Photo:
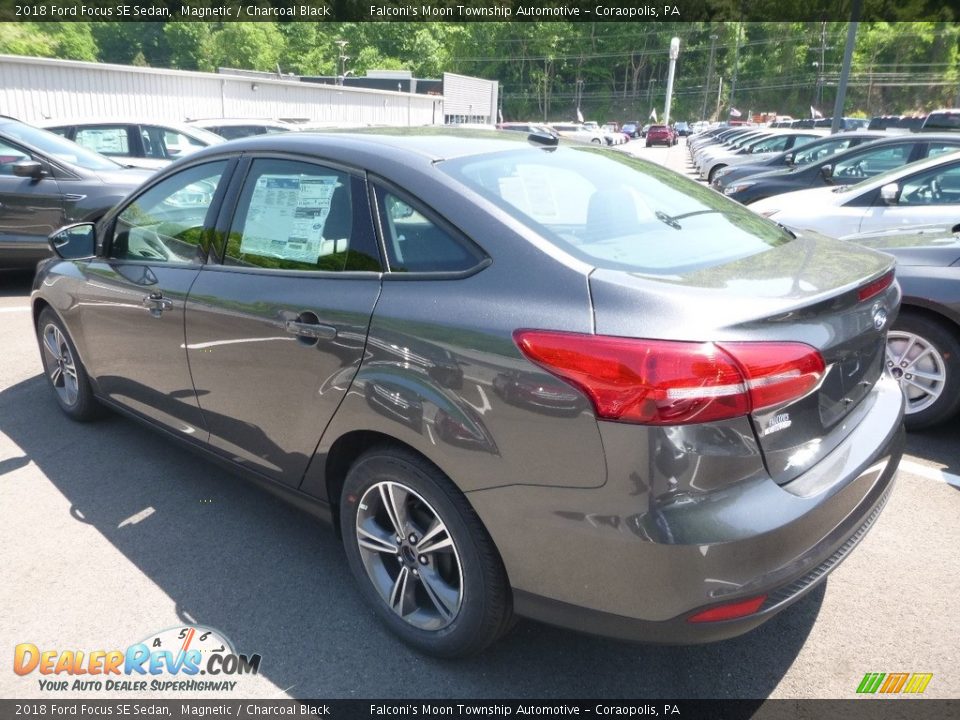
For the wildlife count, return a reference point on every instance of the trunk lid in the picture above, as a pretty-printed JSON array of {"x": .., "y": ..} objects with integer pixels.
[{"x": 806, "y": 291}]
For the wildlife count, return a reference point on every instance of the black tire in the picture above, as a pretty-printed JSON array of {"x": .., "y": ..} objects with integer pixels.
[
  {"x": 61, "y": 364},
  {"x": 941, "y": 401},
  {"x": 713, "y": 172},
  {"x": 470, "y": 569}
]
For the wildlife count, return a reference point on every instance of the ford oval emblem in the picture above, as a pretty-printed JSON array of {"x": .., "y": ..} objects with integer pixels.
[{"x": 880, "y": 319}]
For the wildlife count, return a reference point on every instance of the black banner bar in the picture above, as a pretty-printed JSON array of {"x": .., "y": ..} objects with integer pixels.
[
  {"x": 859, "y": 709},
  {"x": 474, "y": 10}
]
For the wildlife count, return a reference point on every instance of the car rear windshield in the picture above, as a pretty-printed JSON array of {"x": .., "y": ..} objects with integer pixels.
[
  {"x": 615, "y": 211},
  {"x": 58, "y": 147}
]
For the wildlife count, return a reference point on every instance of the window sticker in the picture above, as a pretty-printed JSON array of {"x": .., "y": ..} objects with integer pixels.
[{"x": 286, "y": 218}]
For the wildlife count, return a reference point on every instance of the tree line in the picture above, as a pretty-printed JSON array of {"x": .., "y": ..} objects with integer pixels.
[{"x": 547, "y": 70}]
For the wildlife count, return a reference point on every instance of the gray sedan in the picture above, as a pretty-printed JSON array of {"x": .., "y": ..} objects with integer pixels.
[
  {"x": 923, "y": 346},
  {"x": 520, "y": 377}
]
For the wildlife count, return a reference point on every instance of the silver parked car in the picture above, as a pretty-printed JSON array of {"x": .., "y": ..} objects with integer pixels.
[{"x": 522, "y": 377}]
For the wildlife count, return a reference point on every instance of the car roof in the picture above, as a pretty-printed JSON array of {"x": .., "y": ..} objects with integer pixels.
[
  {"x": 185, "y": 128},
  {"x": 431, "y": 144}
]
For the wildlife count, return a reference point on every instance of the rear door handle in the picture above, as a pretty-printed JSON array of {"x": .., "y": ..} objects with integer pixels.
[{"x": 316, "y": 331}]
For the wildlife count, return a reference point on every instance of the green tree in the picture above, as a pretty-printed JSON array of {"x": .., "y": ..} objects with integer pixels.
[{"x": 246, "y": 45}]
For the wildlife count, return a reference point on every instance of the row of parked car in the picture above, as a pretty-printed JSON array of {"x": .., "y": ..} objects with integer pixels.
[{"x": 899, "y": 193}]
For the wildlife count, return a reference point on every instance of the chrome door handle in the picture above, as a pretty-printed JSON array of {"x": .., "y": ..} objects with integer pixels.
[
  {"x": 315, "y": 331},
  {"x": 157, "y": 303}
]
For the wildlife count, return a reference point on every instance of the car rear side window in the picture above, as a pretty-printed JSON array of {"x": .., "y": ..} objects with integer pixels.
[
  {"x": 167, "y": 223},
  {"x": 301, "y": 216},
  {"x": 417, "y": 241},
  {"x": 615, "y": 211},
  {"x": 942, "y": 148}
]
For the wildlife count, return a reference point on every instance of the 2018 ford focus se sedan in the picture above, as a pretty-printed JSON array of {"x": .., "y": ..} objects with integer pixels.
[{"x": 522, "y": 378}]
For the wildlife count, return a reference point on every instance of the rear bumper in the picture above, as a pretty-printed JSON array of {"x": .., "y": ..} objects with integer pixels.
[{"x": 634, "y": 563}]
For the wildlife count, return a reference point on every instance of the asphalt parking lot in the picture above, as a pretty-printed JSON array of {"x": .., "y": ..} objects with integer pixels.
[{"x": 111, "y": 534}]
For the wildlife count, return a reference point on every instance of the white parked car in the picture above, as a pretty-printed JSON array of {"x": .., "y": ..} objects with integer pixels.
[
  {"x": 136, "y": 142},
  {"x": 922, "y": 193},
  {"x": 579, "y": 133}
]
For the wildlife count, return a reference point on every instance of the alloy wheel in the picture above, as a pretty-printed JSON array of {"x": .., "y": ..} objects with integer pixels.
[
  {"x": 409, "y": 555},
  {"x": 60, "y": 365},
  {"x": 919, "y": 368}
]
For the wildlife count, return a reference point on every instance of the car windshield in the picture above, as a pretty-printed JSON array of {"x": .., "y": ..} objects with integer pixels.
[
  {"x": 616, "y": 211},
  {"x": 58, "y": 148}
]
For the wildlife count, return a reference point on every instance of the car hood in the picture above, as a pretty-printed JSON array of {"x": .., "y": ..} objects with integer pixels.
[
  {"x": 126, "y": 176},
  {"x": 807, "y": 200}
]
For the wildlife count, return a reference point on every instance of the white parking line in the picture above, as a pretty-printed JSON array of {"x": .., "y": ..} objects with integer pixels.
[
  {"x": 18, "y": 308},
  {"x": 931, "y": 473}
]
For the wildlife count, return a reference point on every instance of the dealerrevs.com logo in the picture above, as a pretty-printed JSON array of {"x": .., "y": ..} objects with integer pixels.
[{"x": 172, "y": 660}]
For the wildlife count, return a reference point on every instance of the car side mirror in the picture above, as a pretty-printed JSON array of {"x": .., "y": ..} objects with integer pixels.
[
  {"x": 890, "y": 193},
  {"x": 789, "y": 157},
  {"x": 29, "y": 169},
  {"x": 827, "y": 172},
  {"x": 75, "y": 242}
]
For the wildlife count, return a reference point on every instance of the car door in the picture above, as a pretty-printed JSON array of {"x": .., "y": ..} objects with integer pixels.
[
  {"x": 132, "y": 302},
  {"x": 276, "y": 330},
  {"x": 929, "y": 197},
  {"x": 30, "y": 209}
]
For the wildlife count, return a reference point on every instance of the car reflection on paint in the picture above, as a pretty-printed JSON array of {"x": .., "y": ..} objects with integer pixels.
[
  {"x": 537, "y": 391},
  {"x": 394, "y": 401}
]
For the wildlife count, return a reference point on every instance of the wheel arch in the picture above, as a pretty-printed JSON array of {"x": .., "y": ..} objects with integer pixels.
[{"x": 932, "y": 311}]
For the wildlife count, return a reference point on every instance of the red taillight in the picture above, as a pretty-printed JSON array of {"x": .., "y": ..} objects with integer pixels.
[
  {"x": 876, "y": 287},
  {"x": 732, "y": 611},
  {"x": 664, "y": 382}
]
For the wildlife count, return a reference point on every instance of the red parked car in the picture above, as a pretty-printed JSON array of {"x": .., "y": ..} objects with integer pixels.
[{"x": 661, "y": 135}]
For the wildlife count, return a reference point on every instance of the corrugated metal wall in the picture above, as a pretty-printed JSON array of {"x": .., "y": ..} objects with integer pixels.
[
  {"x": 38, "y": 89},
  {"x": 470, "y": 99}
]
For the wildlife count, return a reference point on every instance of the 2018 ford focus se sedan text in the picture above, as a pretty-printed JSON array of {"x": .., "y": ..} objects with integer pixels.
[{"x": 522, "y": 378}]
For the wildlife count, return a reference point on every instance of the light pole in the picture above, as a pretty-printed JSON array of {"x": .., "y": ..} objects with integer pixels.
[
  {"x": 817, "y": 91},
  {"x": 579, "y": 99},
  {"x": 706, "y": 87},
  {"x": 674, "y": 53},
  {"x": 342, "y": 58},
  {"x": 650, "y": 94}
]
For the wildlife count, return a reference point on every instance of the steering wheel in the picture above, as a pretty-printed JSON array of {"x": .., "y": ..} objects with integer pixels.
[
  {"x": 152, "y": 247},
  {"x": 856, "y": 170}
]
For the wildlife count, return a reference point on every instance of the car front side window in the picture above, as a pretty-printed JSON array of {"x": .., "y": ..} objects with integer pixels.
[
  {"x": 9, "y": 155},
  {"x": 167, "y": 223},
  {"x": 940, "y": 186},
  {"x": 107, "y": 140},
  {"x": 874, "y": 162}
]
